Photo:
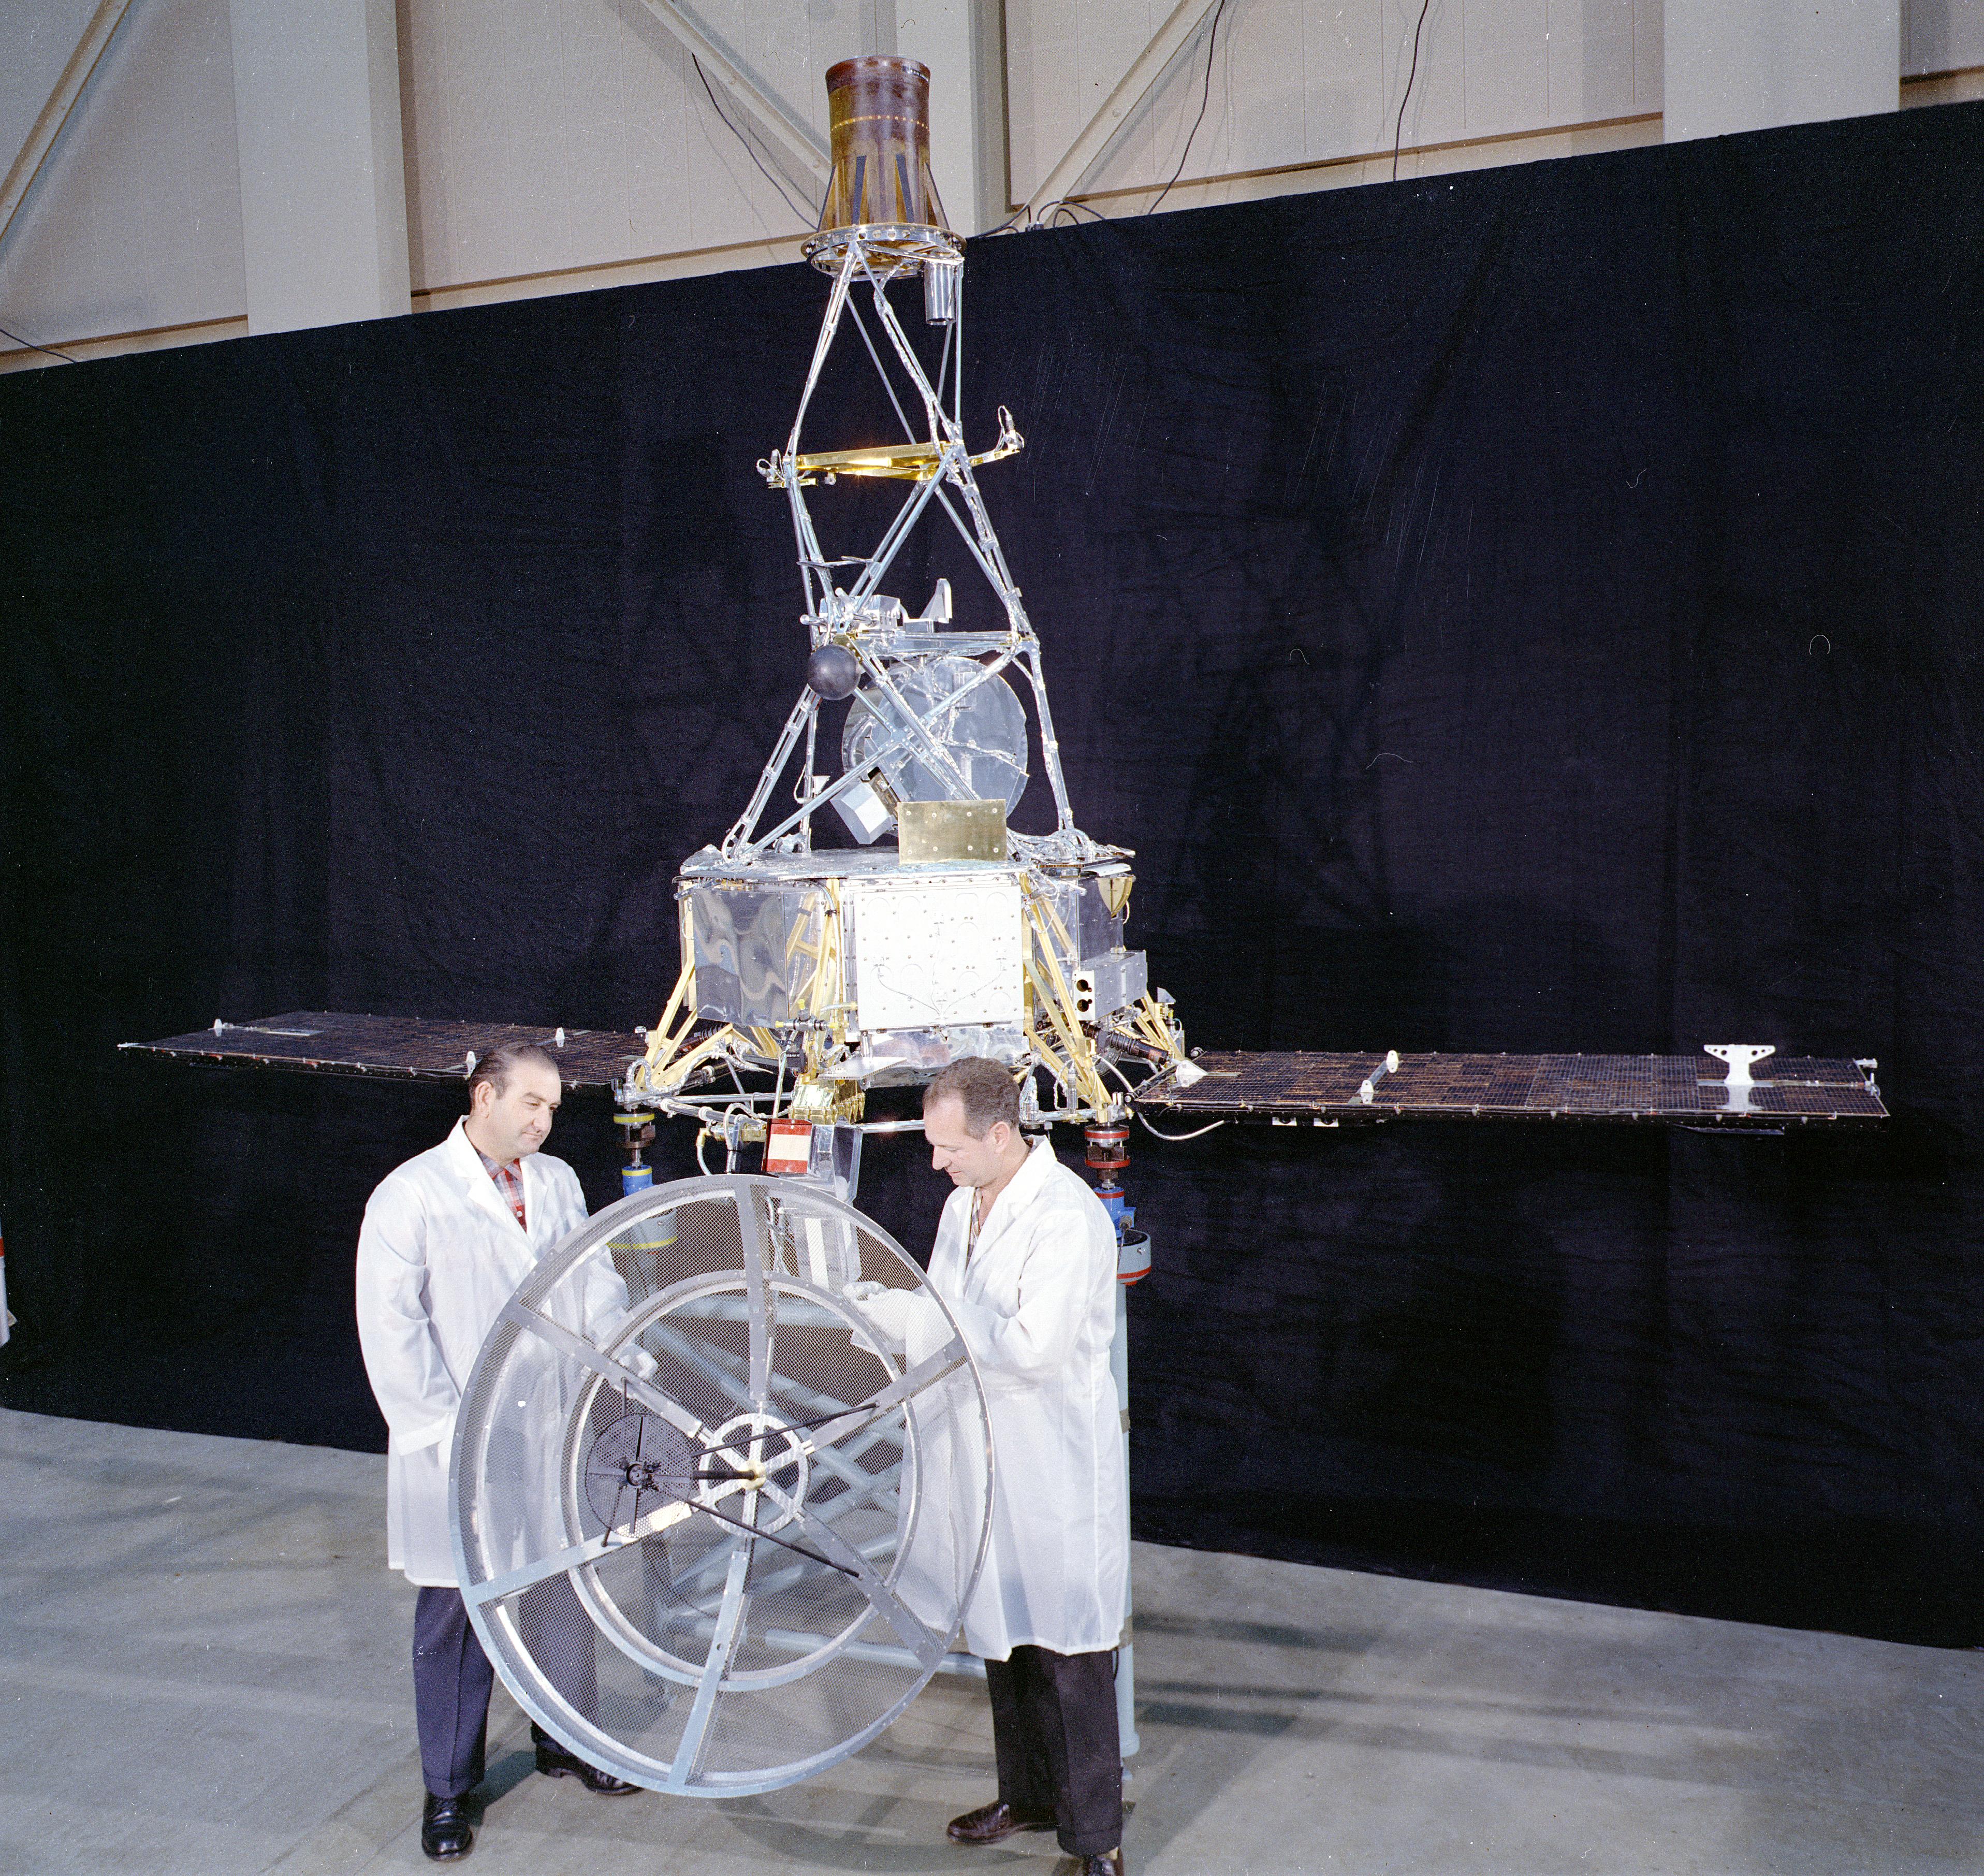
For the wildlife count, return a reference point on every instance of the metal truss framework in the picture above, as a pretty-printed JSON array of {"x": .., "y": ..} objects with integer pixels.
[
  {"x": 817, "y": 1041},
  {"x": 935, "y": 460}
]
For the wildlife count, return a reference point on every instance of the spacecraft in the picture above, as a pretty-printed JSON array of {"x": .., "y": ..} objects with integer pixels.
[
  {"x": 683, "y": 1458},
  {"x": 942, "y": 933}
]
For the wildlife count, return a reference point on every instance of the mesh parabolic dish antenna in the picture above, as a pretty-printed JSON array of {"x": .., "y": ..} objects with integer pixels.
[{"x": 712, "y": 1531}]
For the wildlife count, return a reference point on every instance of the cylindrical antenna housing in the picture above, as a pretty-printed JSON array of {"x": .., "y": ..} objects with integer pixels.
[{"x": 879, "y": 109}]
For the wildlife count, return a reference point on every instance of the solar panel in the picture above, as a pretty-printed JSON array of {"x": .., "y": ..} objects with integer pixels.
[
  {"x": 404, "y": 1048},
  {"x": 1239, "y": 1085},
  {"x": 1690, "y": 1090}
]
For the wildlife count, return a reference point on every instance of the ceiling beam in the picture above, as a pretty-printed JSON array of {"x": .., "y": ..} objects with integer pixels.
[
  {"x": 33, "y": 153},
  {"x": 1171, "y": 39},
  {"x": 796, "y": 139}
]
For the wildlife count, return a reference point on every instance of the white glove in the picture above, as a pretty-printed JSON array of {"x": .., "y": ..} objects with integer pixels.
[{"x": 885, "y": 1310}]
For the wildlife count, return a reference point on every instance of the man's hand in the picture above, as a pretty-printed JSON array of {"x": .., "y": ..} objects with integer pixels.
[{"x": 887, "y": 1312}]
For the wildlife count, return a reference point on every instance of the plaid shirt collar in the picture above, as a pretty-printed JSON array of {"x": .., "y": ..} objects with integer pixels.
[{"x": 509, "y": 1181}]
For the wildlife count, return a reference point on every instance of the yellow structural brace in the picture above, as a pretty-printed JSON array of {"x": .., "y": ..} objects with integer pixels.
[
  {"x": 667, "y": 1036},
  {"x": 1152, "y": 1027},
  {"x": 1054, "y": 1000},
  {"x": 822, "y": 1005},
  {"x": 667, "y": 1066}
]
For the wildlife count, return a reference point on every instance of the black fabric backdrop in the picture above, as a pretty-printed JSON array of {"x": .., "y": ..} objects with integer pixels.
[{"x": 1535, "y": 610}]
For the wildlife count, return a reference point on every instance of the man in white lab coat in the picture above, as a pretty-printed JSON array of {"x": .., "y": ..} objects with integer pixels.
[
  {"x": 447, "y": 1239},
  {"x": 1025, "y": 1261}
]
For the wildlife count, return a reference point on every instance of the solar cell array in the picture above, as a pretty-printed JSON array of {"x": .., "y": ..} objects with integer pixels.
[
  {"x": 1689, "y": 1089},
  {"x": 1235, "y": 1085},
  {"x": 406, "y": 1048}
]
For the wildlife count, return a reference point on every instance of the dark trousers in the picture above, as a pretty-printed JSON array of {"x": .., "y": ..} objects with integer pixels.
[
  {"x": 1053, "y": 1733},
  {"x": 452, "y": 1676}
]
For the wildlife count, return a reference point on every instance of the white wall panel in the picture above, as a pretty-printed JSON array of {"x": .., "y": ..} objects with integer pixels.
[
  {"x": 1941, "y": 36},
  {"x": 1063, "y": 60},
  {"x": 39, "y": 37},
  {"x": 1437, "y": 106},
  {"x": 1270, "y": 115},
  {"x": 323, "y": 180},
  {"x": 1303, "y": 82},
  {"x": 1649, "y": 61},
  {"x": 549, "y": 135},
  {"x": 553, "y": 140},
  {"x": 135, "y": 221},
  {"x": 958, "y": 40},
  {"x": 1769, "y": 63},
  {"x": 1504, "y": 66},
  {"x": 1343, "y": 77},
  {"x": 1592, "y": 75}
]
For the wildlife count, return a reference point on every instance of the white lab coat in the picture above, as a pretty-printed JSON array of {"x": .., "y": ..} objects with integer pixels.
[
  {"x": 440, "y": 1253},
  {"x": 1036, "y": 1306}
]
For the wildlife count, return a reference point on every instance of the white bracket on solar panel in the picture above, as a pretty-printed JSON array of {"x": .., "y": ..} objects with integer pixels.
[{"x": 1739, "y": 1056}]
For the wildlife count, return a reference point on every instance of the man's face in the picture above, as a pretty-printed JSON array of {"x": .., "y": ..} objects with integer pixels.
[
  {"x": 515, "y": 1122},
  {"x": 969, "y": 1162}
]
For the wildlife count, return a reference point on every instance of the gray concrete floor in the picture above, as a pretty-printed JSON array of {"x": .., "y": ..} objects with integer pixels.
[{"x": 203, "y": 1670}]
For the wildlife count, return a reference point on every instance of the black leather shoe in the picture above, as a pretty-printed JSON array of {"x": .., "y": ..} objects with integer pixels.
[
  {"x": 554, "y": 1762},
  {"x": 1109, "y": 1863},
  {"x": 993, "y": 1824},
  {"x": 444, "y": 1833}
]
